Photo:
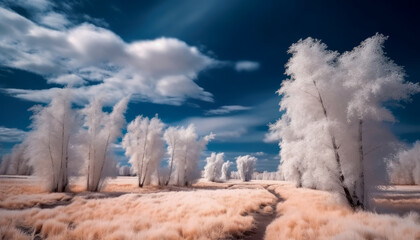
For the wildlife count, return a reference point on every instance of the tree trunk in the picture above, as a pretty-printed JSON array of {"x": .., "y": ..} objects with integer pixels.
[
  {"x": 362, "y": 170},
  {"x": 172, "y": 160},
  {"x": 52, "y": 162},
  {"x": 98, "y": 179},
  {"x": 140, "y": 172},
  {"x": 336, "y": 154}
]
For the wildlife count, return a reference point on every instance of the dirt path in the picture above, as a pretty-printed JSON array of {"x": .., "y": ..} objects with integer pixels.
[{"x": 262, "y": 219}]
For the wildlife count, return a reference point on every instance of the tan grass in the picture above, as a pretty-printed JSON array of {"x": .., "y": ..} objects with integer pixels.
[{"x": 311, "y": 214}]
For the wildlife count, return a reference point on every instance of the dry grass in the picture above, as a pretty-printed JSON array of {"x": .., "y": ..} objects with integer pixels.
[
  {"x": 311, "y": 214},
  {"x": 193, "y": 214},
  {"x": 205, "y": 211}
]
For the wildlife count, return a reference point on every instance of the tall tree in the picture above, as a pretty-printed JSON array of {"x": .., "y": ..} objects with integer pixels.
[
  {"x": 327, "y": 93},
  {"x": 48, "y": 142},
  {"x": 144, "y": 145},
  {"x": 102, "y": 130},
  {"x": 373, "y": 80}
]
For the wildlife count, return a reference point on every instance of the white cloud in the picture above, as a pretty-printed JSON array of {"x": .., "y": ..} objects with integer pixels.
[
  {"x": 227, "y": 109},
  {"x": 245, "y": 127},
  {"x": 160, "y": 71},
  {"x": 259, "y": 153},
  {"x": 55, "y": 20},
  {"x": 71, "y": 79},
  {"x": 242, "y": 66},
  {"x": 39, "y": 5},
  {"x": 11, "y": 135}
]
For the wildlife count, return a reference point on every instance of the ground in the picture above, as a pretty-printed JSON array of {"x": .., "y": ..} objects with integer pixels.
[{"x": 230, "y": 210}]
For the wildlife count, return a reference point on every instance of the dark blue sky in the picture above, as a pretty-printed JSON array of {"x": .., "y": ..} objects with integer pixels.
[{"x": 255, "y": 34}]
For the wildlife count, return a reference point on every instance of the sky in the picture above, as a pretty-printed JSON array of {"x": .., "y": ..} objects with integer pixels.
[{"x": 213, "y": 63}]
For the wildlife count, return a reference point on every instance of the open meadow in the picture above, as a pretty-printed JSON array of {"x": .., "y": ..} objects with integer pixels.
[{"x": 230, "y": 210}]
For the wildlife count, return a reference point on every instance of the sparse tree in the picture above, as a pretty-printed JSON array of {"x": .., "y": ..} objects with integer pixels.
[
  {"x": 245, "y": 165},
  {"x": 226, "y": 171},
  {"x": 404, "y": 166},
  {"x": 184, "y": 150},
  {"x": 213, "y": 168},
  {"x": 102, "y": 130},
  {"x": 16, "y": 163},
  {"x": 144, "y": 145},
  {"x": 48, "y": 143}
]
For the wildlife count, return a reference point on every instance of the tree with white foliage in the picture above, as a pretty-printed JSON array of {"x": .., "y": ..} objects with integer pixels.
[
  {"x": 326, "y": 103},
  {"x": 16, "y": 163},
  {"x": 404, "y": 166},
  {"x": 213, "y": 168},
  {"x": 102, "y": 130},
  {"x": 373, "y": 80},
  {"x": 144, "y": 145},
  {"x": 184, "y": 148},
  {"x": 48, "y": 144},
  {"x": 245, "y": 165},
  {"x": 226, "y": 171}
]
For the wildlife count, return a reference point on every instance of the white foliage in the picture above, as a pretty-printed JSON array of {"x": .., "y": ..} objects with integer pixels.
[
  {"x": 16, "y": 163},
  {"x": 184, "y": 148},
  {"x": 144, "y": 145},
  {"x": 353, "y": 86},
  {"x": 213, "y": 168},
  {"x": 226, "y": 172},
  {"x": 102, "y": 130},
  {"x": 48, "y": 144},
  {"x": 245, "y": 165},
  {"x": 404, "y": 167},
  {"x": 124, "y": 171}
]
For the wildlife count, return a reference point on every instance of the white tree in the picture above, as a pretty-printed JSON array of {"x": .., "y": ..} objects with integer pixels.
[
  {"x": 144, "y": 145},
  {"x": 184, "y": 150},
  {"x": 124, "y": 171},
  {"x": 326, "y": 102},
  {"x": 48, "y": 144},
  {"x": 226, "y": 171},
  {"x": 404, "y": 166},
  {"x": 373, "y": 80},
  {"x": 102, "y": 130},
  {"x": 213, "y": 168},
  {"x": 245, "y": 165},
  {"x": 16, "y": 163},
  {"x": 172, "y": 139}
]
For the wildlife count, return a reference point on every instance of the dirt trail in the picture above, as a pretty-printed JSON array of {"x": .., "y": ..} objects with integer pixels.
[{"x": 262, "y": 219}]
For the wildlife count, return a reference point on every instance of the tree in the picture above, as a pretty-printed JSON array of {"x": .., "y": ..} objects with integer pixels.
[
  {"x": 213, "y": 168},
  {"x": 327, "y": 93},
  {"x": 245, "y": 165},
  {"x": 184, "y": 148},
  {"x": 102, "y": 130},
  {"x": 48, "y": 143},
  {"x": 16, "y": 163},
  {"x": 144, "y": 145},
  {"x": 226, "y": 171},
  {"x": 373, "y": 80},
  {"x": 404, "y": 166},
  {"x": 172, "y": 139}
]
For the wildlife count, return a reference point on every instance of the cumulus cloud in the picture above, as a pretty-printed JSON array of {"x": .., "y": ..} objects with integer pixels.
[
  {"x": 11, "y": 135},
  {"x": 227, "y": 109},
  {"x": 246, "y": 66},
  {"x": 160, "y": 71}
]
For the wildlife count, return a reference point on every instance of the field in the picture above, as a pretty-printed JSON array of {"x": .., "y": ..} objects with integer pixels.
[{"x": 230, "y": 210}]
